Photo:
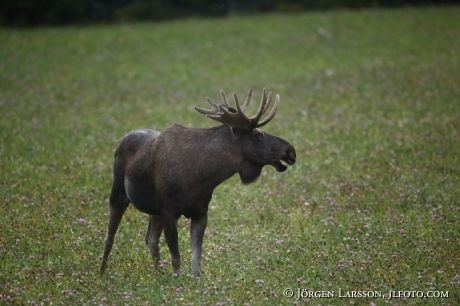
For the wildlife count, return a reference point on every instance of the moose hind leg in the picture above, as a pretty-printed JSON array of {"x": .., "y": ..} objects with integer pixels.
[
  {"x": 118, "y": 204},
  {"x": 152, "y": 237},
  {"x": 170, "y": 229},
  {"x": 197, "y": 228}
]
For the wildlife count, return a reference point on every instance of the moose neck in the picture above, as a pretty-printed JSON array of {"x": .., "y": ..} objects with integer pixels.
[
  {"x": 222, "y": 154},
  {"x": 207, "y": 156}
]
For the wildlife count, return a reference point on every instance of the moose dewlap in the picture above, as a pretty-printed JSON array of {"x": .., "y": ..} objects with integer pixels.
[{"x": 174, "y": 173}]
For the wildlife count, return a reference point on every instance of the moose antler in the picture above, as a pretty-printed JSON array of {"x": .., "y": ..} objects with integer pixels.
[{"x": 237, "y": 118}]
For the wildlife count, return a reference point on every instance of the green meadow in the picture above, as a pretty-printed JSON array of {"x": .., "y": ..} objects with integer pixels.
[{"x": 369, "y": 214}]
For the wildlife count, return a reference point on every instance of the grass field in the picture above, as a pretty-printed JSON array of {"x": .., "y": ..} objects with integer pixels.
[{"x": 369, "y": 99}]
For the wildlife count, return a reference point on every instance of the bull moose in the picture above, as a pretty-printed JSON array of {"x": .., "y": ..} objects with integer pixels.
[{"x": 174, "y": 172}]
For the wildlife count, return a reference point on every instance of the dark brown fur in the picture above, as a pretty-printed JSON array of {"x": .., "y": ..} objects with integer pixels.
[{"x": 174, "y": 173}]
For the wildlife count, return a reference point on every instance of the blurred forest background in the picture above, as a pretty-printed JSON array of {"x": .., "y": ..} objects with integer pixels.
[{"x": 30, "y": 13}]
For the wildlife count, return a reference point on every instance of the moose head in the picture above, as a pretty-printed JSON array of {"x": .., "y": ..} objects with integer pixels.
[{"x": 259, "y": 148}]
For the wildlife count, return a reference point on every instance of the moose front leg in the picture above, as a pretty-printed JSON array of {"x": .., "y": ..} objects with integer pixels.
[
  {"x": 152, "y": 237},
  {"x": 197, "y": 228},
  {"x": 170, "y": 229}
]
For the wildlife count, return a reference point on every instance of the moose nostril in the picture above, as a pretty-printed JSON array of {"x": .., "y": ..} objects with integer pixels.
[{"x": 292, "y": 156}]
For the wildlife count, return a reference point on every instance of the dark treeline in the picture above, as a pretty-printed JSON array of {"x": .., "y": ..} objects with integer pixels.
[{"x": 27, "y": 13}]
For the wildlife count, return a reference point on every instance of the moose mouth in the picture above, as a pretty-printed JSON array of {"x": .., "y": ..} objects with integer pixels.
[{"x": 280, "y": 167}]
